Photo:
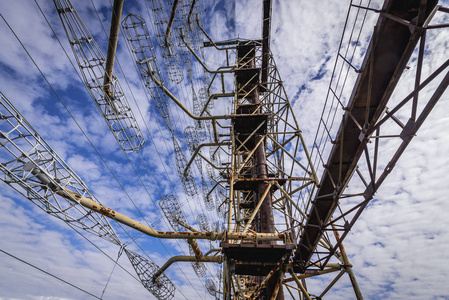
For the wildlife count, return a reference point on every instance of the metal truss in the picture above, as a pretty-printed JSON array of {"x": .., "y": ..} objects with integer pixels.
[
  {"x": 264, "y": 135},
  {"x": 32, "y": 167},
  {"x": 105, "y": 89},
  {"x": 283, "y": 225},
  {"x": 376, "y": 128},
  {"x": 274, "y": 126}
]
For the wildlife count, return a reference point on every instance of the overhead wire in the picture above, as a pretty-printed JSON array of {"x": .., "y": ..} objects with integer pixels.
[
  {"x": 171, "y": 183},
  {"x": 86, "y": 136},
  {"x": 140, "y": 157},
  {"x": 68, "y": 111},
  {"x": 131, "y": 164},
  {"x": 79, "y": 76},
  {"x": 184, "y": 93},
  {"x": 182, "y": 114},
  {"x": 101, "y": 250},
  {"x": 112, "y": 272},
  {"x": 49, "y": 274},
  {"x": 51, "y": 87}
]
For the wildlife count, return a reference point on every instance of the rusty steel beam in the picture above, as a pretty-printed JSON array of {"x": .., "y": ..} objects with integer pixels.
[
  {"x": 197, "y": 150},
  {"x": 256, "y": 209},
  {"x": 266, "y": 26},
  {"x": 180, "y": 104},
  {"x": 191, "y": 11},
  {"x": 300, "y": 286},
  {"x": 170, "y": 22},
  {"x": 247, "y": 84},
  {"x": 112, "y": 46},
  {"x": 220, "y": 70},
  {"x": 212, "y": 235},
  {"x": 329, "y": 268},
  {"x": 173, "y": 259},
  {"x": 196, "y": 249},
  {"x": 383, "y": 66},
  {"x": 347, "y": 266}
]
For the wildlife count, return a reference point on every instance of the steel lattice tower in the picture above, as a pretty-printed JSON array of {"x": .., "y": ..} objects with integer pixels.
[{"x": 282, "y": 222}]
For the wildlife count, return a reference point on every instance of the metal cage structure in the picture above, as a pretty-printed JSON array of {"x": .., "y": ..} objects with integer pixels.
[{"x": 279, "y": 206}]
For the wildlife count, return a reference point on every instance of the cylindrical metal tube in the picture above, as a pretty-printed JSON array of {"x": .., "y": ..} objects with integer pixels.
[
  {"x": 215, "y": 259},
  {"x": 212, "y": 235},
  {"x": 112, "y": 47}
]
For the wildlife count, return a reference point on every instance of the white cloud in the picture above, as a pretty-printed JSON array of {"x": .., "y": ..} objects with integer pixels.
[{"x": 398, "y": 246}]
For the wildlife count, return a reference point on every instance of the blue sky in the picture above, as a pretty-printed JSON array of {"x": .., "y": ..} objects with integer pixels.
[{"x": 398, "y": 247}]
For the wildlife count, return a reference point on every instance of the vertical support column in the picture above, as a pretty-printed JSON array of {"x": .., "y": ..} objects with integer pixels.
[
  {"x": 112, "y": 46},
  {"x": 264, "y": 220},
  {"x": 266, "y": 26},
  {"x": 348, "y": 266},
  {"x": 226, "y": 280},
  {"x": 248, "y": 88}
]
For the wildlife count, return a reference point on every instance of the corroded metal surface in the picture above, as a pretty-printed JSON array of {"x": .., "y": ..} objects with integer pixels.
[{"x": 383, "y": 65}]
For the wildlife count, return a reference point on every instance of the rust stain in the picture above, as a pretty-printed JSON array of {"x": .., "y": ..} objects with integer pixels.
[{"x": 107, "y": 212}]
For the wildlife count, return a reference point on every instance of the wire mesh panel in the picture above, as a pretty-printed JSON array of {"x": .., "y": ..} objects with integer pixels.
[
  {"x": 33, "y": 168},
  {"x": 190, "y": 17},
  {"x": 196, "y": 104},
  {"x": 210, "y": 172},
  {"x": 221, "y": 205},
  {"x": 161, "y": 288},
  {"x": 204, "y": 98},
  {"x": 198, "y": 266},
  {"x": 210, "y": 287},
  {"x": 104, "y": 89},
  {"x": 203, "y": 223},
  {"x": 207, "y": 195},
  {"x": 170, "y": 54},
  {"x": 139, "y": 41},
  {"x": 191, "y": 136},
  {"x": 187, "y": 179},
  {"x": 173, "y": 213},
  {"x": 192, "y": 139},
  {"x": 179, "y": 26}
]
